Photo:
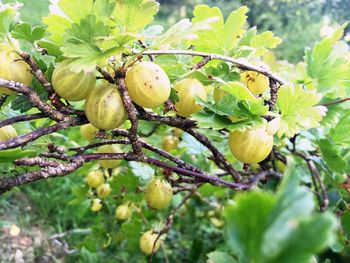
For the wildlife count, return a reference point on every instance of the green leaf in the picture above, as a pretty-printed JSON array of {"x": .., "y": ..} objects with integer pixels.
[
  {"x": 298, "y": 110},
  {"x": 246, "y": 226},
  {"x": 231, "y": 106},
  {"x": 263, "y": 42},
  {"x": 268, "y": 228},
  {"x": 103, "y": 9},
  {"x": 182, "y": 31},
  {"x": 51, "y": 47},
  {"x": 26, "y": 32},
  {"x": 332, "y": 157},
  {"x": 76, "y": 9},
  {"x": 8, "y": 19},
  {"x": 345, "y": 222},
  {"x": 340, "y": 133},
  {"x": 86, "y": 56},
  {"x": 329, "y": 71},
  {"x": 134, "y": 15},
  {"x": 56, "y": 26},
  {"x": 223, "y": 37},
  {"x": 144, "y": 171},
  {"x": 7, "y": 156},
  {"x": 132, "y": 232},
  {"x": 211, "y": 120},
  {"x": 207, "y": 120},
  {"x": 238, "y": 90},
  {"x": 220, "y": 257},
  {"x": 315, "y": 235},
  {"x": 193, "y": 146},
  {"x": 87, "y": 30}
]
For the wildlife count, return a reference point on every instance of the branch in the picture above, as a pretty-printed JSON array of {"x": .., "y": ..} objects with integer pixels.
[
  {"x": 239, "y": 63},
  {"x": 273, "y": 94},
  {"x": 34, "y": 98},
  {"x": 6, "y": 183},
  {"x": 26, "y": 138},
  {"x": 17, "y": 119},
  {"x": 132, "y": 112},
  {"x": 335, "y": 102},
  {"x": 219, "y": 158},
  {"x": 321, "y": 193}
]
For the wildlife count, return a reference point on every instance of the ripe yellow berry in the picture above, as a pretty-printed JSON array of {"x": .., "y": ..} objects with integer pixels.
[
  {"x": 187, "y": 90},
  {"x": 7, "y": 132},
  {"x": 251, "y": 145},
  {"x": 123, "y": 212},
  {"x": 13, "y": 68},
  {"x": 71, "y": 85},
  {"x": 104, "y": 190},
  {"x": 95, "y": 178},
  {"x": 256, "y": 82},
  {"x": 147, "y": 242},
  {"x": 148, "y": 84},
  {"x": 104, "y": 107},
  {"x": 158, "y": 193},
  {"x": 96, "y": 205}
]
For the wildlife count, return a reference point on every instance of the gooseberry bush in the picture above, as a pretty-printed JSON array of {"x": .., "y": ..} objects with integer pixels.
[{"x": 195, "y": 143}]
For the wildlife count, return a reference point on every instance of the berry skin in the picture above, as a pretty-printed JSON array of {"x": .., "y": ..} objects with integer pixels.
[
  {"x": 256, "y": 82},
  {"x": 104, "y": 190},
  {"x": 95, "y": 178},
  {"x": 187, "y": 90},
  {"x": 7, "y": 132},
  {"x": 123, "y": 212},
  {"x": 251, "y": 146},
  {"x": 13, "y": 68},
  {"x": 96, "y": 205},
  {"x": 158, "y": 193},
  {"x": 148, "y": 84},
  {"x": 109, "y": 148},
  {"x": 218, "y": 94},
  {"x": 88, "y": 131},
  {"x": 104, "y": 107},
  {"x": 146, "y": 242},
  {"x": 71, "y": 85},
  {"x": 170, "y": 143}
]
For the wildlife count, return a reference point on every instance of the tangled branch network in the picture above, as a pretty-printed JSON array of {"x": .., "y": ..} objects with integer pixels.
[{"x": 58, "y": 162}]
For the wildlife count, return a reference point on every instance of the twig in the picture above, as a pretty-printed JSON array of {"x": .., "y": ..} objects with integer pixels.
[
  {"x": 322, "y": 194},
  {"x": 335, "y": 102},
  {"x": 219, "y": 158},
  {"x": 170, "y": 219},
  {"x": 239, "y": 63},
  {"x": 34, "y": 98},
  {"x": 29, "y": 137},
  {"x": 17, "y": 119}
]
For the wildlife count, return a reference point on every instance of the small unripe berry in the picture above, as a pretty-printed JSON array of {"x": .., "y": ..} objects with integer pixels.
[
  {"x": 123, "y": 212},
  {"x": 95, "y": 178},
  {"x": 88, "y": 131},
  {"x": 104, "y": 190},
  {"x": 170, "y": 143},
  {"x": 96, "y": 205},
  {"x": 147, "y": 241}
]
